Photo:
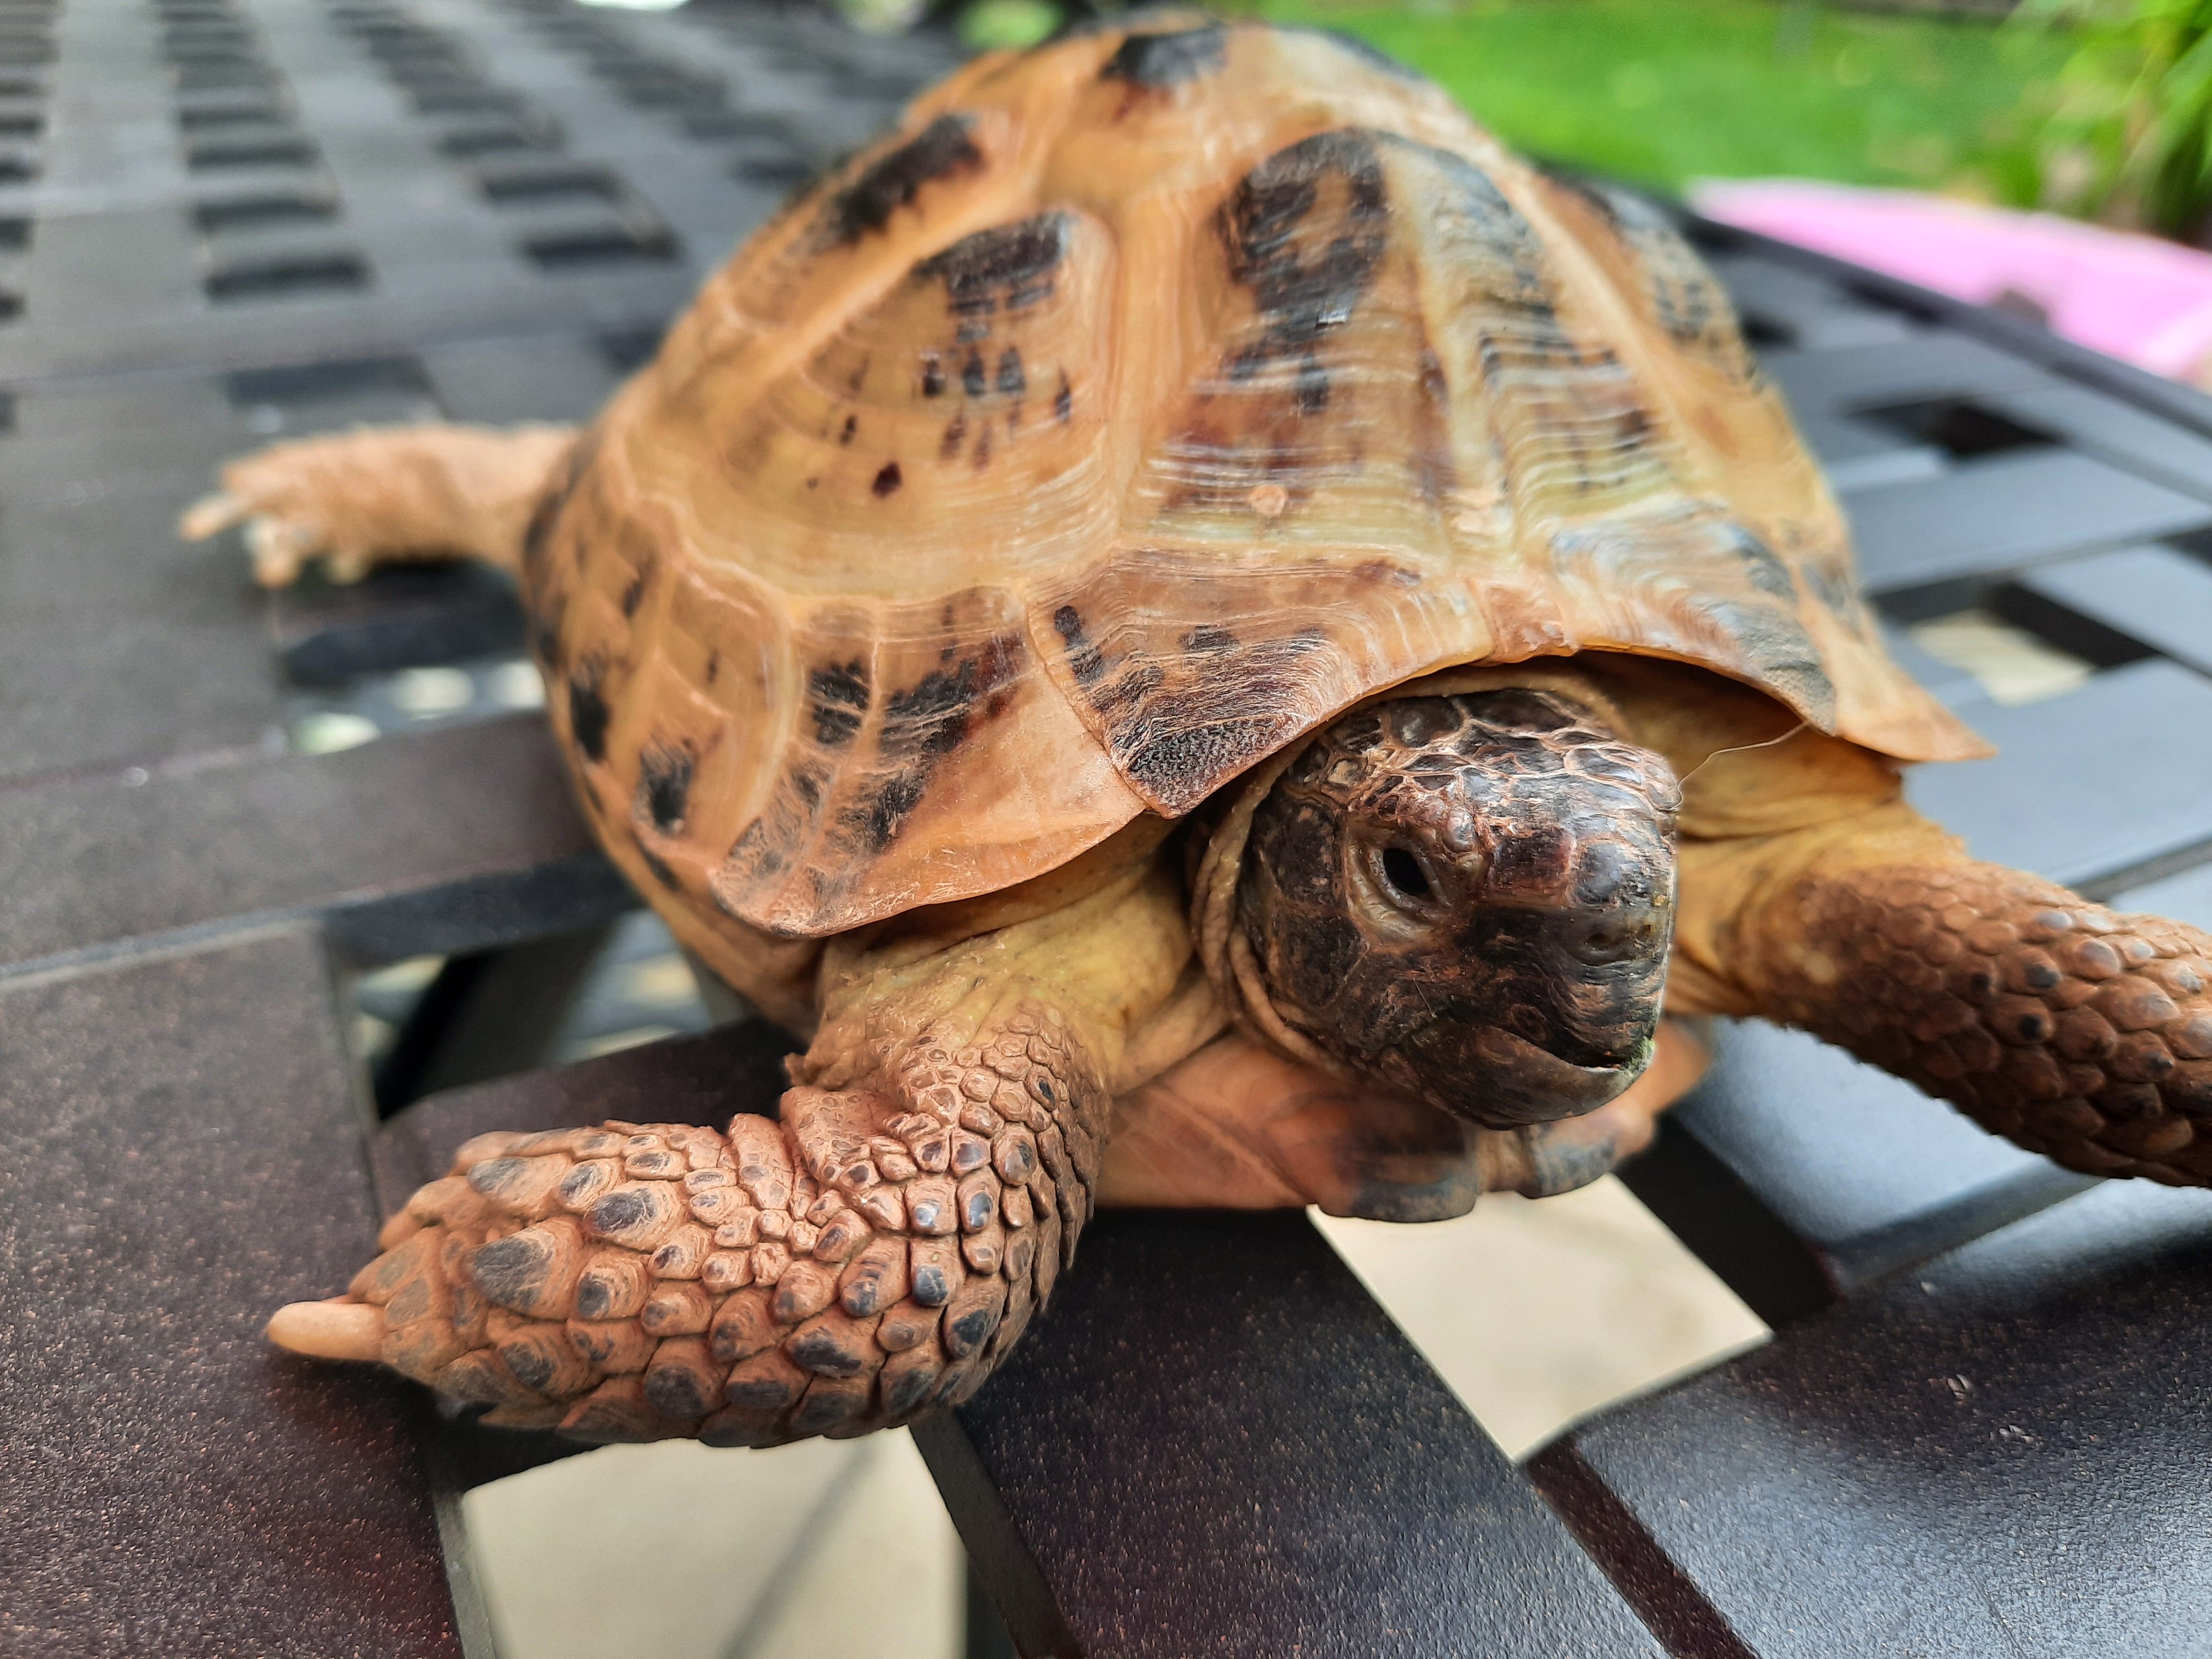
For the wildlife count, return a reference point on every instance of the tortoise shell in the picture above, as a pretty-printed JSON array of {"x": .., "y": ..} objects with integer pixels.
[{"x": 1145, "y": 400}]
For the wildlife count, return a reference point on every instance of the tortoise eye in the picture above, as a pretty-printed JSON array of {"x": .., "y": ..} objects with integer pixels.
[
  {"x": 1410, "y": 884},
  {"x": 1403, "y": 872}
]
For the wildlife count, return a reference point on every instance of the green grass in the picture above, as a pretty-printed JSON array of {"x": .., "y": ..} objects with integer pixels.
[{"x": 1666, "y": 91}]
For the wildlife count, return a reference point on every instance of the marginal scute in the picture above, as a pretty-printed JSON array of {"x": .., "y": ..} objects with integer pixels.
[{"x": 1206, "y": 379}]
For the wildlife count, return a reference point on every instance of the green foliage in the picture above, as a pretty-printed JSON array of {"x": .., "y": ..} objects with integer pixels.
[
  {"x": 995, "y": 25},
  {"x": 1666, "y": 91},
  {"x": 2125, "y": 128}
]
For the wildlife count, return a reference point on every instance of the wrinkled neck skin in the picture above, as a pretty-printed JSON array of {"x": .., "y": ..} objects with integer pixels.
[{"x": 1469, "y": 898}]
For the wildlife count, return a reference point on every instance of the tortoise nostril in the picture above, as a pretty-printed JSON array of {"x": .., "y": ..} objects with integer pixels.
[
  {"x": 1404, "y": 873},
  {"x": 1628, "y": 933}
]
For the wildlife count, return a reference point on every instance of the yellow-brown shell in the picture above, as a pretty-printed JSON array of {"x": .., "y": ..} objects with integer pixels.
[{"x": 1144, "y": 401}]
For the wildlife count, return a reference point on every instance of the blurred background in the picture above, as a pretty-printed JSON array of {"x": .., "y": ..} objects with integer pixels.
[{"x": 1985, "y": 111}]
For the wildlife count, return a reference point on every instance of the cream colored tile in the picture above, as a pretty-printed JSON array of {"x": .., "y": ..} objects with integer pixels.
[
  {"x": 885, "y": 1580},
  {"x": 1539, "y": 1313},
  {"x": 2013, "y": 665},
  {"x": 683, "y": 1552}
]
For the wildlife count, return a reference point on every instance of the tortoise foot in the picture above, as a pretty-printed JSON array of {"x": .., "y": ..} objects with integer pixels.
[{"x": 357, "y": 499}]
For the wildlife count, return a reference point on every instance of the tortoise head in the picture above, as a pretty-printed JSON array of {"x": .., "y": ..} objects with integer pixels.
[{"x": 1470, "y": 898}]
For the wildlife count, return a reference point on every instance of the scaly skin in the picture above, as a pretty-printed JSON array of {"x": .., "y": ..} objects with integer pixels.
[
  {"x": 2078, "y": 1033},
  {"x": 869, "y": 1258}
]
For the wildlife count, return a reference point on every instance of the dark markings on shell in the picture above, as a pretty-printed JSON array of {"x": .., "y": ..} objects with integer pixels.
[
  {"x": 837, "y": 697},
  {"x": 1686, "y": 300},
  {"x": 1169, "y": 60},
  {"x": 538, "y": 537},
  {"x": 851, "y": 427},
  {"x": 546, "y": 639},
  {"x": 1436, "y": 473},
  {"x": 1379, "y": 571},
  {"x": 932, "y": 376},
  {"x": 1063, "y": 401},
  {"x": 930, "y": 718},
  {"x": 1835, "y": 584},
  {"x": 657, "y": 867},
  {"x": 944, "y": 147},
  {"x": 972, "y": 381},
  {"x": 1767, "y": 572},
  {"x": 664, "y": 785},
  {"x": 1177, "y": 727},
  {"x": 1003, "y": 264},
  {"x": 888, "y": 479},
  {"x": 1529, "y": 360},
  {"x": 588, "y": 714},
  {"x": 928, "y": 721},
  {"x": 1689, "y": 565},
  {"x": 956, "y": 434},
  {"x": 634, "y": 595},
  {"x": 1011, "y": 380},
  {"x": 1305, "y": 286},
  {"x": 983, "y": 447},
  {"x": 1084, "y": 661}
]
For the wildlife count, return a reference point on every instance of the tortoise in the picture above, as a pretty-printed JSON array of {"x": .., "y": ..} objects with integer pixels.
[{"x": 1187, "y": 595}]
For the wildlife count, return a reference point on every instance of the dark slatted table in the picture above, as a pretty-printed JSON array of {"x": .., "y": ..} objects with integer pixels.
[{"x": 1978, "y": 1430}]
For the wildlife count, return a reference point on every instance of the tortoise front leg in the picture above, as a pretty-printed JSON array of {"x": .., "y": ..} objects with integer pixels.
[
  {"x": 2081, "y": 1034},
  {"x": 871, "y": 1255},
  {"x": 873, "y": 1251}
]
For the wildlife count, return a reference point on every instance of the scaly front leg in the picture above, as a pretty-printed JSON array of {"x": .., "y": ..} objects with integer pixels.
[
  {"x": 2081, "y": 1034},
  {"x": 871, "y": 1255}
]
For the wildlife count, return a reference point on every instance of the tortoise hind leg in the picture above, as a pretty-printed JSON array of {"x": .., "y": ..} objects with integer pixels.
[
  {"x": 2081, "y": 1034},
  {"x": 357, "y": 499}
]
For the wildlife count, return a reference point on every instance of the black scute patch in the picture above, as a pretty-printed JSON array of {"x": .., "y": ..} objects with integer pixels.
[
  {"x": 837, "y": 696},
  {"x": 1085, "y": 660},
  {"x": 1169, "y": 60},
  {"x": 1305, "y": 287},
  {"x": 1781, "y": 653},
  {"x": 926, "y": 722},
  {"x": 1767, "y": 572},
  {"x": 588, "y": 713},
  {"x": 942, "y": 148},
  {"x": 664, "y": 785},
  {"x": 1178, "y": 730},
  {"x": 1013, "y": 263}
]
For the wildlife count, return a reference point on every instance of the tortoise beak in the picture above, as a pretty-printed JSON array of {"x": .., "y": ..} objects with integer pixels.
[{"x": 1510, "y": 1081}]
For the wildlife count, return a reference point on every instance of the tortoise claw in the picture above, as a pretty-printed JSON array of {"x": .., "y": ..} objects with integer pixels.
[
  {"x": 339, "y": 1328},
  {"x": 210, "y": 515}
]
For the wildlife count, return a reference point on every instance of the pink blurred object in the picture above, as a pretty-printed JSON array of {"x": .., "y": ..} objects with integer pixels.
[{"x": 2144, "y": 300}]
